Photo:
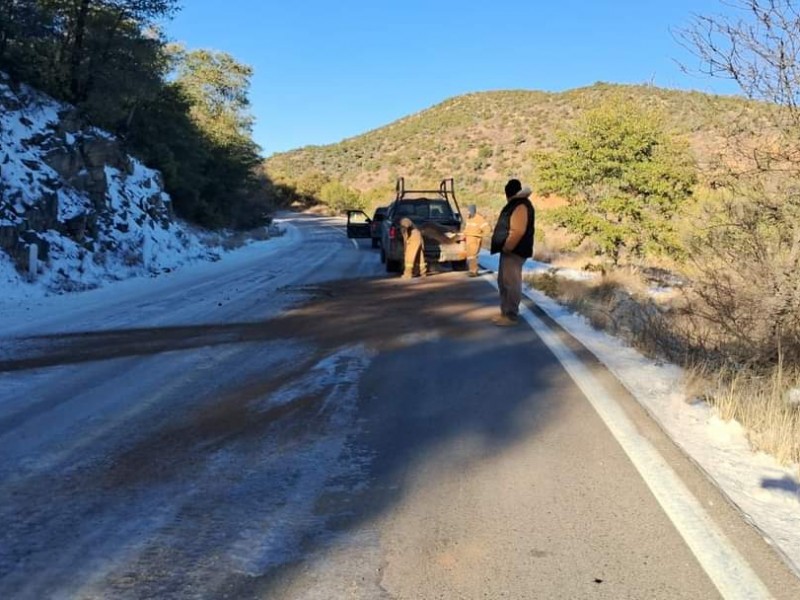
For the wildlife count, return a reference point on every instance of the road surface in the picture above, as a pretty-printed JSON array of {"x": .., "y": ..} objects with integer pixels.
[{"x": 299, "y": 425}]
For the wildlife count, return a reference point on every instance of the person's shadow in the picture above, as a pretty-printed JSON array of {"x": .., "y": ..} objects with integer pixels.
[{"x": 785, "y": 483}]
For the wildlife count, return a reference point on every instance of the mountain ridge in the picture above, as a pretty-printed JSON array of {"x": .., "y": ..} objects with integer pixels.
[{"x": 483, "y": 137}]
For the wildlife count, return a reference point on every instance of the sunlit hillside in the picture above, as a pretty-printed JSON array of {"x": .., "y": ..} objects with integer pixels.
[{"x": 482, "y": 138}]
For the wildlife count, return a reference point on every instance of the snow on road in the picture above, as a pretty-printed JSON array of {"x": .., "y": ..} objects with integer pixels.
[
  {"x": 239, "y": 437},
  {"x": 26, "y": 309},
  {"x": 106, "y": 418}
]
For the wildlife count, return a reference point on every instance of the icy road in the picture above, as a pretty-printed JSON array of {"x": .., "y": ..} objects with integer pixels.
[{"x": 295, "y": 424}]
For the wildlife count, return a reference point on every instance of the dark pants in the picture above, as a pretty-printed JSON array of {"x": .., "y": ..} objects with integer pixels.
[{"x": 509, "y": 280}]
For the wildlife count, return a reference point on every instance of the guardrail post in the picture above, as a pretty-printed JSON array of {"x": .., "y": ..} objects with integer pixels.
[
  {"x": 33, "y": 261},
  {"x": 146, "y": 252}
]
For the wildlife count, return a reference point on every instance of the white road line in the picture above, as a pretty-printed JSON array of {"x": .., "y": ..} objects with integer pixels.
[{"x": 729, "y": 571}]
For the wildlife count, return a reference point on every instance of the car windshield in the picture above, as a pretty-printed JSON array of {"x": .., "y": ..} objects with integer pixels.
[{"x": 424, "y": 209}]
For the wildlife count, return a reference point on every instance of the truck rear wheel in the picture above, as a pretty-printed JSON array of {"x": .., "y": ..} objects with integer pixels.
[{"x": 393, "y": 266}]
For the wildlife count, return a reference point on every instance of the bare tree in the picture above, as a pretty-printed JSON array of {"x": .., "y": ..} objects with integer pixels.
[{"x": 747, "y": 246}]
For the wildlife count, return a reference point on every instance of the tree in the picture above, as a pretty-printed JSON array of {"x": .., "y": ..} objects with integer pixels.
[
  {"x": 216, "y": 88},
  {"x": 185, "y": 113},
  {"x": 747, "y": 244},
  {"x": 339, "y": 197},
  {"x": 80, "y": 19},
  {"x": 624, "y": 178}
]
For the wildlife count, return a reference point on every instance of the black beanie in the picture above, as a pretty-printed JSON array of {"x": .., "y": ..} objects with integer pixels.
[{"x": 513, "y": 187}]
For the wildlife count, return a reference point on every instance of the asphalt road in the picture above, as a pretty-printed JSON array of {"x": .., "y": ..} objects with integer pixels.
[{"x": 303, "y": 426}]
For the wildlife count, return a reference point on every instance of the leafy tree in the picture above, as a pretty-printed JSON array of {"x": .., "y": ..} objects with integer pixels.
[
  {"x": 624, "y": 178},
  {"x": 109, "y": 58},
  {"x": 339, "y": 197},
  {"x": 215, "y": 86},
  {"x": 28, "y": 41},
  {"x": 310, "y": 184}
]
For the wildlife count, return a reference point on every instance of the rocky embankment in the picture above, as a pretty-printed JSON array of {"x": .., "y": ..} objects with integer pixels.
[{"x": 94, "y": 212}]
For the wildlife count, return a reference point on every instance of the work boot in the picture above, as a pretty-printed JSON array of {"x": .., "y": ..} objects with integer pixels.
[
  {"x": 406, "y": 276},
  {"x": 471, "y": 274},
  {"x": 505, "y": 321}
]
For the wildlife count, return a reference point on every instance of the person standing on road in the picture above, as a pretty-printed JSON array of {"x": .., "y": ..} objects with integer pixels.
[
  {"x": 413, "y": 249},
  {"x": 474, "y": 230},
  {"x": 513, "y": 239}
]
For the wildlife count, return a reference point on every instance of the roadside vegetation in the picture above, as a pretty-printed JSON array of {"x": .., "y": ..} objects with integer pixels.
[
  {"x": 184, "y": 112},
  {"x": 685, "y": 206},
  {"x": 733, "y": 319}
]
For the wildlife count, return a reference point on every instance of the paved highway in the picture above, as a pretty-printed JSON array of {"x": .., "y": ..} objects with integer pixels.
[{"x": 299, "y": 425}]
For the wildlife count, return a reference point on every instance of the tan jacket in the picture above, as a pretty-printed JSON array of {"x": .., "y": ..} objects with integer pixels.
[
  {"x": 476, "y": 226},
  {"x": 517, "y": 227}
]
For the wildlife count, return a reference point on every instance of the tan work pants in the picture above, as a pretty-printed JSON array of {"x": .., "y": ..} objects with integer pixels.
[
  {"x": 509, "y": 280},
  {"x": 473, "y": 249},
  {"x": 414, "y": 254}
]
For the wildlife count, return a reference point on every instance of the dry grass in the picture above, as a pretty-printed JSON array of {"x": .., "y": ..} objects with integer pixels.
[
  {"x": 618, "y": 303},
  {"x": 759, "y": 400},
  {"x": 552, "y": 244}
]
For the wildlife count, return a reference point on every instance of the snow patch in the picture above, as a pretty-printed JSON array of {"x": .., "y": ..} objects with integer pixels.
[
  {"x": 534, "y": 267},
  {"x": 276, "y": 540},
  {"x": 130, "y": 233}
]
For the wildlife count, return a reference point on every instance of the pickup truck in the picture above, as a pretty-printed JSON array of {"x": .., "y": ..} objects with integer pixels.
[{"x": 434, "y": 212}]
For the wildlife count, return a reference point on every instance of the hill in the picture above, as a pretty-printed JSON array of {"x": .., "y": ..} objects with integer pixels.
[{"x": 483, "y": 138}]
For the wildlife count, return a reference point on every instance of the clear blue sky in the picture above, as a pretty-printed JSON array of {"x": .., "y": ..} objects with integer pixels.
[{"x": 327, "y": 70}]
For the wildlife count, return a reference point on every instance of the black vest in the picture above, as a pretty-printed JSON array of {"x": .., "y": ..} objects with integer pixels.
[{"x": 525, "y": 246}]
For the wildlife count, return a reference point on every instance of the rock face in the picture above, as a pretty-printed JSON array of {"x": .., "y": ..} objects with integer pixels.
[{"x": 94, "y": 211}]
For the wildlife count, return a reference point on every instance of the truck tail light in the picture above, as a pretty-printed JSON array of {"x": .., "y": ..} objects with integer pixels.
[{"x": 392, "y": 232}]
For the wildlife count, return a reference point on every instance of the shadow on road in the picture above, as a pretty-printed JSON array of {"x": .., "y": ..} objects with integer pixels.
[{"x": 441, "y": 374}]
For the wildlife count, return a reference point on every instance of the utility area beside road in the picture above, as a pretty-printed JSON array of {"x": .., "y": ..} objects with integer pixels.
[{"x": 295, "y": 425}]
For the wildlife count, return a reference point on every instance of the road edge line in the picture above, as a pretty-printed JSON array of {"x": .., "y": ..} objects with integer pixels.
[{"x": 724, "y": 565}]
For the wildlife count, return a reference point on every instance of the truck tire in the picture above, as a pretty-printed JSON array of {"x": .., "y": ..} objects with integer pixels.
[
  {"x": 393, "y": 266},
  {"x": 383, "y": 255},
  {"x": 458, "y": 265}
]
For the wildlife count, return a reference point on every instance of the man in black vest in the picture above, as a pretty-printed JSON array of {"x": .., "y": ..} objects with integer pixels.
[{"x": 513, "y": 239}]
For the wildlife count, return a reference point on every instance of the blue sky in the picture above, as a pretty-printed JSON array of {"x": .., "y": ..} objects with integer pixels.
[{"x": 327, "y": 70}]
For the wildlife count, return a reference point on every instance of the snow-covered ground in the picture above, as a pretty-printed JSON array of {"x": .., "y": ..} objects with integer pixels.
[
  {"x": 765, "y": 491},
  {"x": 99, "y": 214},
  {"x": 33, "y": 308}
]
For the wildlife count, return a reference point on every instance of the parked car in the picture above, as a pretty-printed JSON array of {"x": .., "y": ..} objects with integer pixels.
[{"x": 375, "y": 225}]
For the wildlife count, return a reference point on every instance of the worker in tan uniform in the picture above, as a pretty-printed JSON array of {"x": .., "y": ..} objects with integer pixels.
[
  {"x": 413, "y": 249},
  {"x": 475, "y": 228},
  {"x": 513, "y": 239}
]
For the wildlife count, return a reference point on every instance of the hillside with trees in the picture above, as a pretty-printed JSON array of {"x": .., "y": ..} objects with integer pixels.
[
  {"x": 183, "y": 112},
  {"x": 483, "y": 138}
]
